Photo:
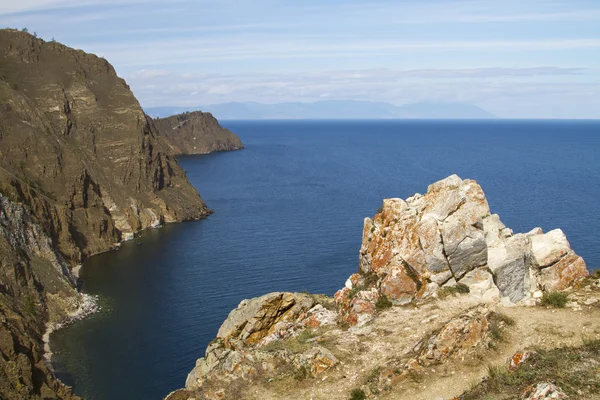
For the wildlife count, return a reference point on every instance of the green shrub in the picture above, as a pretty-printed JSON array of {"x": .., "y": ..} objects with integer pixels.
[
  {"x": 357, "y": 394},
  {"x": 462, "y": 288},
  {"x": 554, "y": 299},
  {"x": 30, "y": 306},
  {"x": 354, "y": 291},
  {"x": 459, "y": 288},
  {"x": 383, "y": 302}
]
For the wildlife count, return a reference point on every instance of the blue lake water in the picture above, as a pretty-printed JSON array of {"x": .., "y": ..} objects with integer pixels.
[{"x": 289, "y": 211}]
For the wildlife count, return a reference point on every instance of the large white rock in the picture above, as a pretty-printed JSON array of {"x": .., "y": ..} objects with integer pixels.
[
  {"x": 479, "y": 281},
  {"x": 509, "y": 259},
  {"x": 550, "y": 247}
]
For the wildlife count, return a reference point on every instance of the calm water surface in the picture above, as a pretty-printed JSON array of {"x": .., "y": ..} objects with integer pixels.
[{"x": 288, "y": 216}]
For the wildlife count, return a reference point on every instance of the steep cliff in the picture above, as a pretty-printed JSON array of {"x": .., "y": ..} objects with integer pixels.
[
  {"x": 81, "y": 169},
  {"x": 196, "y": 133},
  {"x": 443, "y": 290}
]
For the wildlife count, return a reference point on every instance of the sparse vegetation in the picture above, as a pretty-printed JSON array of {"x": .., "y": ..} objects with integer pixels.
[
  {"x": 30, "y": 304},
  {"x": 498, "y": 323},
  {"x": 383, "y": 302},
  {"x": 301, "y": 373},
  {"x": 373, "y": 375},
  {"x": 554, "y": 299},
  {"x": 459, "y": 288},
  {"x": 369, "y": 279},
  {"x": 573, "y": 369},
  {"x": 380, "y": 209},
  {"x": 354, "y": 291},
  {"x": 358, "y": 394},
  {"x": 296, "y": 344}
]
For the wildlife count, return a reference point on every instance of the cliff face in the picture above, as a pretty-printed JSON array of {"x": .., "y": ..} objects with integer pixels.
[
  {"x": 443, "y": 290},
  {"x": 81, "y": 168},
  {"x": 196, "y": 133}
]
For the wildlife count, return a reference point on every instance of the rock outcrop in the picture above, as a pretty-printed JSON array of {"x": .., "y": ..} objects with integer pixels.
[
  {"x": 397, "y": 322},
  {"x": 196, "y": 133},
  {"x": 242, "y": 351},
  {"x": 81, "y": 169},
  {"x": 448, "y": 236}
]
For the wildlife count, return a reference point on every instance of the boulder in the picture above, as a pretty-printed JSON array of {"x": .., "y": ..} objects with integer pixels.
[
  {"x": 425, "y": 238},
  {"x": 480, "y": 281},
  {"x": 315, "y": 361},
  {"x": 510, "y": 260},
  {"x": 563, "y": 273},
  {"x": 543, "y": 391},
  {"x": 456, "y": 338},
  {"x": 260, "y": 317},
  {"x": 356, "y": 309},
  {"x": 549, "y": 248}
]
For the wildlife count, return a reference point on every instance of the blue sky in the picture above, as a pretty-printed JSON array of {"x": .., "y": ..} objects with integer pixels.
[{"x": 519, "y": 59}]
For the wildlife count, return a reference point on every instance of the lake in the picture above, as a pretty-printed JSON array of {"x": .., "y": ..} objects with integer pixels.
[{"x": 288, "y": 216}]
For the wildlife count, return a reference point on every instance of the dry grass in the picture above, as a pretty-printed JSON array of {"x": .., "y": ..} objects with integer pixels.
[
  {"x": 554, "y": 299},
  {"x": 459, "y": 288},
  {"x": 573, "y": 369}
]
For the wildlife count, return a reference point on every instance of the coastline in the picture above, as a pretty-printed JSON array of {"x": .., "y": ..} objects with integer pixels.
[{"x": 88, "y": 304}]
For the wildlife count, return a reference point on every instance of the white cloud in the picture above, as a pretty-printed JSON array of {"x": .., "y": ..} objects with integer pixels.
[
  {"x": 263, "y": 47},
  {"x": 483, "y": 86}
]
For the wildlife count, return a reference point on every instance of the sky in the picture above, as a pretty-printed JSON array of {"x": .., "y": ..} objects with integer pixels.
[{"x": 514, "y": 58}]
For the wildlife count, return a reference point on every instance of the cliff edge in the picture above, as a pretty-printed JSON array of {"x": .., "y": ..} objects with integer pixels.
[
  {"x": 81, "y": 169},
  {"x": 196, "y": 133},
  {"x": 446, "y": 296}
]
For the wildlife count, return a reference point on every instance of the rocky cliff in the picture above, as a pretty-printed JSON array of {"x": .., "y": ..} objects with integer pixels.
[
  {"x": 443, "y": 290},
  {"x": 81, "y": 169},
  {"x": 196, "y": 133}
]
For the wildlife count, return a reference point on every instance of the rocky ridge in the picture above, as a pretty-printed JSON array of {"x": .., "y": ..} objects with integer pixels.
[
  {"x": 196, "y": 133},
  {"x": 82, "y": 168},
  {"x": 401, "y": 322}
]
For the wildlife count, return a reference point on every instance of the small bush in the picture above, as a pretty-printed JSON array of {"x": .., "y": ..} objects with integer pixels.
[
  {"x": 459, "y": 288},
  {"x": 383, "y": 302},
  {"x": 357, "y": 394},
  {"x": 505, "y": 318},
  {"x": 554, "y": 299},
  {"x": 373, "y": 375},
  {"x": 380, "y": 209},
  {"x": 354, "y": 291},
  {"x": 30, "y": 306},
  {"x": 462, "y": 288}
]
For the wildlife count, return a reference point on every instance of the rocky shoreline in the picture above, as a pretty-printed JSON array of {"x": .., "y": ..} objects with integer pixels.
[
  {"x": 442, "y": 287},
  {"x": 81, "y": 168}
]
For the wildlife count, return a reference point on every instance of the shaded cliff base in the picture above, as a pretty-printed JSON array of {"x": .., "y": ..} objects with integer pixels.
[{"x": 445, "y": 294}]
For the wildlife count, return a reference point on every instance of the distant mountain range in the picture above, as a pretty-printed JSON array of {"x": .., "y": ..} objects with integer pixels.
[{"x": 332, "y": 109}]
